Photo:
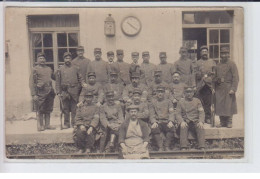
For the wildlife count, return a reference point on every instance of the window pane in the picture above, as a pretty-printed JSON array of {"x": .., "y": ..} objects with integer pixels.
[
  {"x": 47, "y": 40},
  {"x": 213, "y": 36},
  {"x": 36, "y": 40},
  {"x": 226, "y": 17},
  {"x": 188, "y": 18},
  {"x": 214, "y": 51},
  {"x": 73, "y": 52},
  {"x": 49, "y": 55},
  {"x": 224, "y": 36},
  {"x": 73, "y": 39},
  {"x": 35, "y": 52},
  {"x": 200, "y": 17},
  {"x": 61, "y": 53},
  {"x": 214, "y": 17},
  {"x": 62, "y": 39}
]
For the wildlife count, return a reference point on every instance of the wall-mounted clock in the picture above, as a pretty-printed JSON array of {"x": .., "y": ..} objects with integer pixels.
[{"x": 131, "y": 26}]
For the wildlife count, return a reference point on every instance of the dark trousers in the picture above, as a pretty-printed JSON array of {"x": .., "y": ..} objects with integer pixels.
[
  {"x": 200, "y": 134},
  {"x": 69, "y": 105},
  {"x": 82, "y": 139},
  {"x": 224, "y": 120},
  {"x": 165, "y": 130},
  {"x": 205, "y": 95},
  {"x": 46, "y": 103}
]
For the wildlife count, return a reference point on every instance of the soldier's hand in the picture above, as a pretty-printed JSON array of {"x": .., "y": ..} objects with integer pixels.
[
  {"x": 154, "y": 125},
  {"x": 35, "y": 98},
  {"x": 117, "y": 102},
  {"x": 83, "y": 128},
  {"x": 200, "y": 125},
  {"x": 170, "y": 124},
  {"x": 84, "y": 85},
  {"x": 231, "y": 92},
  {"x": 184, "y": 125},
  {"x": 98, "y": 104},
  {"x": 80, "y": 104},
  {"x": 90, "y": 130}
]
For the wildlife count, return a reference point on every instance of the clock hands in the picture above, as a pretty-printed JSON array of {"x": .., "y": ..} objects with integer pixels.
[{"x": 132, "y": 25}]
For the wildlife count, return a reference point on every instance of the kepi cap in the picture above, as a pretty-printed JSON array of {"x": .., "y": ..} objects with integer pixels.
[
  {"x": 162, "y": 54},
  {"x": 204, "y": 47},
  {"x": 91, "y": 74},
  {"x": 110, "y": 53},
  {"x": 145, "y": 53},
  {"x": 137, "y": 91},
  {"x": 224, "y": 50},
  {"x": 80, "y": 48},
  {"x": 119, "y": 51},
  {"x": 66, "y": 54},
  {"x": 40, "y": 54}
]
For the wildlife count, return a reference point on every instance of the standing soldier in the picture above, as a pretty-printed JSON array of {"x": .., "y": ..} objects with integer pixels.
[
  {"x": 115, "y": 86},
  {"x": 162, "y": 120},
  {"x": 204, "y": 77},
  {"x": 81, "y": 62},
  {"x": 68, "y": 82},
  {"x": 177, "y": 89},
  {"x": 190, "y": 116},
  {"x": 226, "y": 86},
  {"x": 111, "y": 117},
  {"x": 95, "y": 88},
  {"x": 111, "y": 64},
  {"x": 42, "y": 92},
  {"x": 100, "y": 67},
  {"x": 128, "y": 91},
  {"x": 123, "y": 68},
  {"x": 87, "y": 120},
  {"x": 147, "y": 68},
  {"x": 184, "y": 67},
  {"x": 158, "y": 81},
  {"x": 134, "y": 66},
  {"x": 165, "y": 67}
]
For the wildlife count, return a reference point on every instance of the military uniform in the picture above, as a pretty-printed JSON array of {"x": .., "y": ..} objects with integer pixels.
[
  {"x": 82, "y": 63},
  {"x": 96, "y": 89},
  {"x": 88, "y": 116},
  {"x": 111, "y": 117},
  {"x": 118, "y": 90},
  {"x": 68, "y": 83},
  {"x": 204, "y": 77},
  {"x": 41, "y": 86},
  {"x": 184, "y": 67},
  {"x": 226, "y": 79},
  {"x": 166, "y": 69},
  {"x": 123, "y": 70},
  {"x": 192, "y": 113},
  {"x": 177, "y": 91},
  {"x": 148, "y": 70},
  {"x": 161, "y": 112},
  {"x": 101, "y": 69}
]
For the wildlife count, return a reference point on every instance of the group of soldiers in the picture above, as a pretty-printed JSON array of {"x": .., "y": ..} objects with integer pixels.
[{"x": 98, "y": 97}]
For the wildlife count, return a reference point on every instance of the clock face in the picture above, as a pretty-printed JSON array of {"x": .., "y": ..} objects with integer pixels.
[{"x": 131, "y": 26}]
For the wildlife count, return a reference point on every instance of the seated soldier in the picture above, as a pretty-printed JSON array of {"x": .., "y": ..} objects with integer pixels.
[
  {"x": 134, "y": 136},
  {"x": 162, "y": 120},
  {"x": 94, "y": 87},
  {"x": 87, "y": 120},
  {"x": 176, "y": 88},
  {"x": 111, "y": 117},
  {"x": 191, "y": 116}
]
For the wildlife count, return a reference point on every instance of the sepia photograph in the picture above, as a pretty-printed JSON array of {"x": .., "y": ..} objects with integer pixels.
[{"x": 120, "y": 83}]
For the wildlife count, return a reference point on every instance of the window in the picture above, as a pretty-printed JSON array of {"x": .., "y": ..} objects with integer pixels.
[{"x": 54, "y": 35}]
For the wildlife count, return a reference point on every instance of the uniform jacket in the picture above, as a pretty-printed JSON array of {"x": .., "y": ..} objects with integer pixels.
[
  {"x": 184, "y": 67},
  {"x": 166, "y": 72},
  {"x": 135, "y": 68},
  {"x": 153, "y": 87},
  {"x": 82, "y": 64},
  {"x": 161, "y": 111},
  {"x": 190, "y": 111},
  {"x": 101, "y": 68},
  {"x": 124, "y": 127},
  {"x": 128, "y": 91},
  {"x": 148, "y": 70},
  {"x": 69, "y": 79},
  {"x": 87, "y": 115},
  {"x": 111, "y": 116},
  {"x": 117, "y": 88},
  {"x": 124, "y": 72},
  {"x": 177, "y": 90},
  {"x": 226, "y": 79},
  {"x": 97, "y": 91}
]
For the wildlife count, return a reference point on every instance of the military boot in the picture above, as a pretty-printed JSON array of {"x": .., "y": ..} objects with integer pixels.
[
  {"x": 102, "y": 143},
  {"x": 223, "y": 121},
  {"x": 159, "y": 142},
  {"x": 168, "y": 141},
  {"x": 47, "y": 122},
  {"x": 112, "y": 142},
  {"x": 229, "y": 122},
  {"x": 40, "y": 126}
]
